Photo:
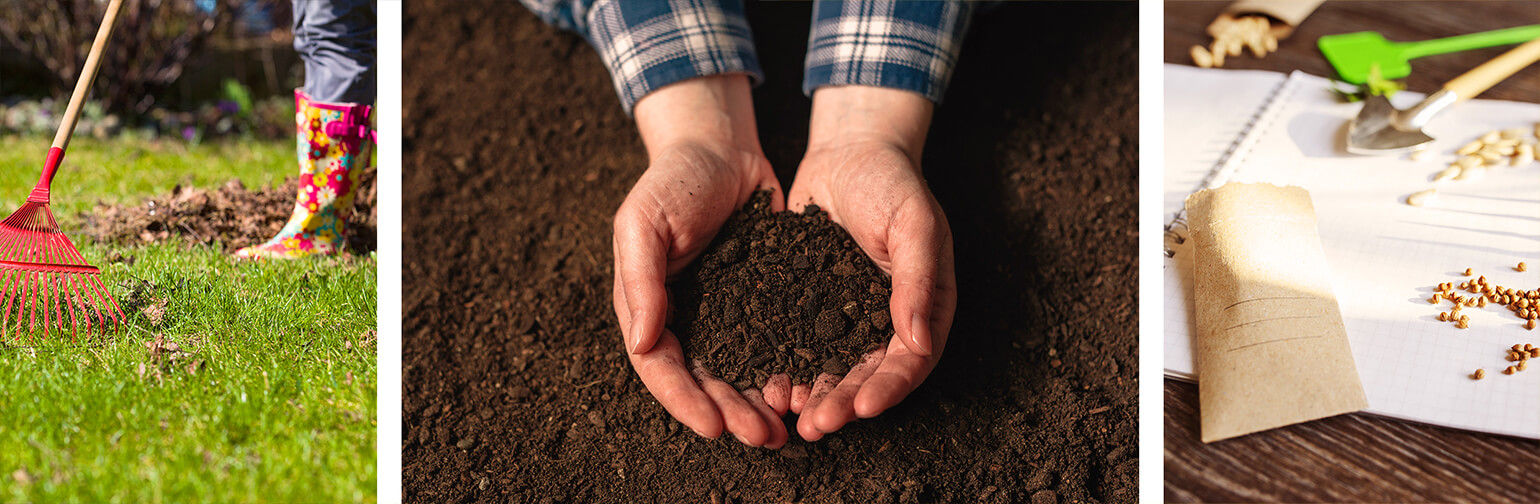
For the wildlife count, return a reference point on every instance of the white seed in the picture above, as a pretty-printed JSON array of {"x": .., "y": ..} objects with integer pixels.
[
  {"x": 1491, "y": 137},
  {"x": 1233, "y": 46},
  {"x": 1524, "y": 156},
  {"x": 1418, "y": 155},
  {"x": 1421, "y": 198},
  {"x": 1514, "y": 133},
  {"x": 1255, "y": 44},
  {"x": 1506, "y": 150},
  {"x": 1468, "y": 162},
  {"x": 1490, "y": 155},
  {"x": 1218, "y": 52},
  {"x": 1506, "y": 141},
  {"x": 1201, "y": 57},
  {"x": 1447, "y": 174},
  {"x": 1470, "y": 148},
  {"x": 1472, "y": 173},
  {"x": 1270, "y": 42}
]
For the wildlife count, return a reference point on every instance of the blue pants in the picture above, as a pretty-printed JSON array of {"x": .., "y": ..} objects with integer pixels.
[{"x": 336, "y": 39}]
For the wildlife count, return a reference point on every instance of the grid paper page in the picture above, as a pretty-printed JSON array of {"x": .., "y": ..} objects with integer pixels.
[{"x": 1386, "y": 256}]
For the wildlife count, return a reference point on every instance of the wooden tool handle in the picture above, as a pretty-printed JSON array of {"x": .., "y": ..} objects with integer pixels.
[
  {"x": 1472, "y": 83},
  {"x": 87, "y": 76}
]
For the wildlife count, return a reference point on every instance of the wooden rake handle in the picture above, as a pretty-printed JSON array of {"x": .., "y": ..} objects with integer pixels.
[{"x": 61, "y": 140}]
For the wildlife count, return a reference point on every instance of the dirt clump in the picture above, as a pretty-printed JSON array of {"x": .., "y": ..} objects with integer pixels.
[
  {"x": 780, "y": 292},
  {"x": 231, "y": 215}
]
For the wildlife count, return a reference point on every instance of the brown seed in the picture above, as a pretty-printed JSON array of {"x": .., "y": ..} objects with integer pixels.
[
  {"x": 1517, "y": 347},
  {"x": 1433, "y": 300},
  {"x": 1535, "y": 352},
  {"x": 1509, "y": 370},
  {"x": 1482, "y": 280},
  {"x": 1521, "y": 267},
  {"x": 1467, "y": 270},
  {"x": 1480, "y": 373},
  {"x": 1528, "y": 347},
  {"x": 1511, "y": 356},
  {"x": 1523, "y": 364},
  {"x": 1531, "y": 326},
  {"x": 1443, "y": 316},
  {"x": 1482, "y": 303}
]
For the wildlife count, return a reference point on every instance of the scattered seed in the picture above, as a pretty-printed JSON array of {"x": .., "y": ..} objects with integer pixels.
[
  {"x": 1522, "y": 364},
  {"x": 1491, "y": 137},
  {"x": 1513, "y": 133},
  {"x": 1470, "y": 148},
  {"x": 1480, "y": 373},
  {"x": 1202, "y": 57},
  {"x": 1421, "y": 198},
  {"x": 1443, "y": 316},
  {"x": 1509, "y": 370},
  {"x": 1467, "y": 271},
  {"x": 1448, "y": 174},
  {"x": 1521, "y": 266}
]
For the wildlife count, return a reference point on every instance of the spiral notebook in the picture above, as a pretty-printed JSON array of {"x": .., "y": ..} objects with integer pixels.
[{"x": 1385, "y": 256}]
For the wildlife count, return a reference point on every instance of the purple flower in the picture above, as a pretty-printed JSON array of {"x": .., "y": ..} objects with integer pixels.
[
  {"x": 229, "y": 106},
  {"x": 188, "y": 132}
]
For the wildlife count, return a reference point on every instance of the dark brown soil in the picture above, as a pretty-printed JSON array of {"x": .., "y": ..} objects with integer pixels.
[
  {"x": 780, "y": 292},
  {"x": 232, "y": 216},
  {"x": 515, "y": 383}
]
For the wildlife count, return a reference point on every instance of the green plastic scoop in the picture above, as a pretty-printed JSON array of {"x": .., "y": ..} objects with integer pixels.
[{"x": 1353, "y": 54}]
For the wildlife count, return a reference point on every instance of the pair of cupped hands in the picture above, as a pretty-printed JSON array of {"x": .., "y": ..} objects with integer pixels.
[{"x": 862, "y": 166}]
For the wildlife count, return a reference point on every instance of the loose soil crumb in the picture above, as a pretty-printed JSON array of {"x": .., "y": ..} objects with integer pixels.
[
  {"x": 781, "y": 292},
  {"x": 511, "y": 344},
  {"x": 231, "y": 216}
]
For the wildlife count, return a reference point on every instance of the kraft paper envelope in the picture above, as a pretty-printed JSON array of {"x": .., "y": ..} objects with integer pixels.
[{"x": 1272, "y": 350}]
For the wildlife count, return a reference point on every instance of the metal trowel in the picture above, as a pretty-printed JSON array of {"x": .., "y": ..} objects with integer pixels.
[{"x": 1380, "y": 128}]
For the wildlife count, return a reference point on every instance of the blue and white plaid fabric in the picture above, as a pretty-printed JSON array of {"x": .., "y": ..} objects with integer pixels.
[
  {"x": 909, "y": 45},
  {"x": 651, "y": 44}
]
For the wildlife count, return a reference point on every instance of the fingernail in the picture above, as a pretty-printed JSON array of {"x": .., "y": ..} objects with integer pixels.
[
  {"x": 630, "y": 337},
  {"x": 741, "y": 439},
  {"x": 916, "y": 324}
]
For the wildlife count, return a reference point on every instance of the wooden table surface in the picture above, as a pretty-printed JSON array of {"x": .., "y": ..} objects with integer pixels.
[
  {"x": 1357, "y": 457},
  {"x": 1397, "y": 21}
]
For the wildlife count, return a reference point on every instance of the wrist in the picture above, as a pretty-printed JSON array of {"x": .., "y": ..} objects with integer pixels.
[
  {"x": 847, "y": 116},
  {"x": 714, "y": 112}
]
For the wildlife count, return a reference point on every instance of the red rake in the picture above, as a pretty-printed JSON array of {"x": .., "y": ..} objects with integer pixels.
[{"x": 42, "y": 275}]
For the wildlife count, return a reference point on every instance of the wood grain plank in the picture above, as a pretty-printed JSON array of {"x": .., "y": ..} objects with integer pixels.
[
  {"x": 1347, "y": 458},
  {"x": 1397, "y": 21}
]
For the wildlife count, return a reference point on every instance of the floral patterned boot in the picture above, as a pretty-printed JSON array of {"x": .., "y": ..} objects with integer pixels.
[{"x": 331, "y": 141}]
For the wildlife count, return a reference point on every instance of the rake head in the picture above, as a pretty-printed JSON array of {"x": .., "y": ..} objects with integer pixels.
[{"x": 46, "y": 287}]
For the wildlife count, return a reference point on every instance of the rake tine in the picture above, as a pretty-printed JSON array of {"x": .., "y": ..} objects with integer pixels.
[
  {"x": 9, "y": 296},
  {"x": 70, "y": 303},
  {"x": 29, "y": 294}
]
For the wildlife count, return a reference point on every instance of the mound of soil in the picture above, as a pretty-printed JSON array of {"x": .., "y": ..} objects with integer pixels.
[
  {"x": 781, "y": 292},
  {"x": 231, "y": 216},
  {"x": 515, "y": 383}
]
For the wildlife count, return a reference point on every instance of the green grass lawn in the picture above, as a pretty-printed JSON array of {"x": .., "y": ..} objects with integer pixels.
[
  {"x": 274, "y": 399},
  {"x": 115, "y": 171}
]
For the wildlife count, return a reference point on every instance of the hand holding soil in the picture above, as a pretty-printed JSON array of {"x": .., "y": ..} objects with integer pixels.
[
  {"x": 705, "y": 161},
  {"x": 862, "y": 166}
]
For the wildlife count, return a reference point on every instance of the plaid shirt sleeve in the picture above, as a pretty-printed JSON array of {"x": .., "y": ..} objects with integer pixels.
[
  {"x": 648, "y": 45},
  {"x": 910, "y": 45}
]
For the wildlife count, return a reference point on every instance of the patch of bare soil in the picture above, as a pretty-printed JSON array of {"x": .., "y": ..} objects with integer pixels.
[{"x": 232, "y": 216}]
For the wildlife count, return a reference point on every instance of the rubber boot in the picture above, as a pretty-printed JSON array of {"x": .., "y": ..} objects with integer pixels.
[{"x": 331, "y": 141}]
